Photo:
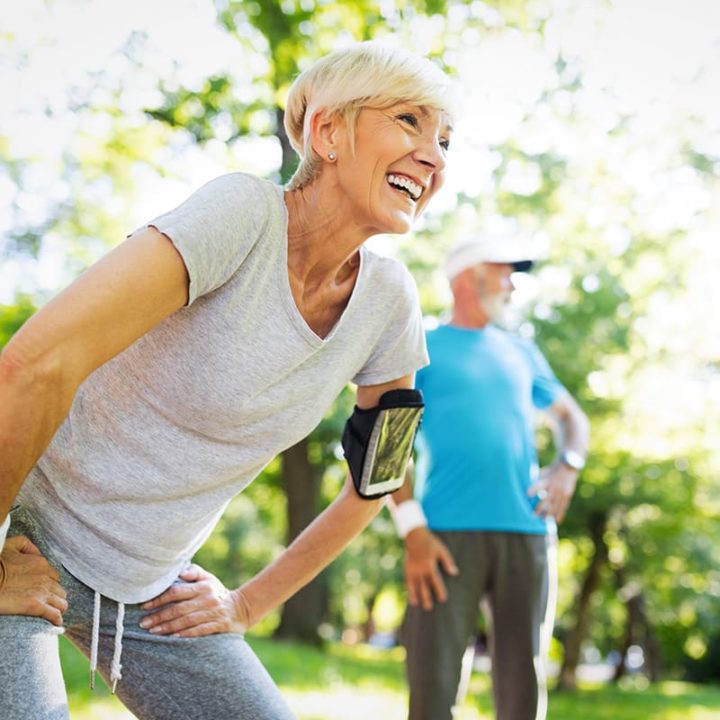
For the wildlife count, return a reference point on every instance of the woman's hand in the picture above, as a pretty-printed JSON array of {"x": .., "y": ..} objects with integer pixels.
[
  {"x": 201, "y": 605},
  {"x": 29, "y": 584}
]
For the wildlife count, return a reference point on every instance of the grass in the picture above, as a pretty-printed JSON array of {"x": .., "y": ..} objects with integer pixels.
[{"x": 350, "y": 683}]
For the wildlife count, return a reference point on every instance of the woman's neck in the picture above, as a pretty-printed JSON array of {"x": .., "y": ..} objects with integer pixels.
[
  {"x": 322, "y": 245},
  {"x": 323, "y": 258}
]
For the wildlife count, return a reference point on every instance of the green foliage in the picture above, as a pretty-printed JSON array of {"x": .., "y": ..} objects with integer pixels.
[
  {"x": 13, "y": 316},
  {"x": 707, "y": 667},
  {"x": 200, "y": 112},
  {"x": 637, "y": 701},
  {"x": 371, "y": 564},
  {"x": 539, "y": 203}
]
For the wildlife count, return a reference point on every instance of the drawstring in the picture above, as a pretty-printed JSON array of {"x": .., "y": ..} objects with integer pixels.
[
  {"x": 115, "y": 674},
  {"x": 94, "y": 641},
  {"x": 116, "y": 667}
]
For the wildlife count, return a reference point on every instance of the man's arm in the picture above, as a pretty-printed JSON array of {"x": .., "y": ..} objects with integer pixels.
[
  {"x": 572, "y": 435},
  {"x": 106, "y": 309},
  {"x": 203, "y": 606}
]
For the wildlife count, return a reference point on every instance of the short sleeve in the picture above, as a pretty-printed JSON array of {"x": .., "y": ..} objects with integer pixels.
[
  {"x": 216, "y": 227},
  {"x": 401, "y": 348},
  {"x": 546, "y": 388}
]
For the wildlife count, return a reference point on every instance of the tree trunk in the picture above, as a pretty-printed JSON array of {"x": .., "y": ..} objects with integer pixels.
[
  {"x": 629, "y": 594},
  {"x": 653, "y": 660},
  {"x": 303, "y": 613},
  {"x": 368, "y": 628},
  {"x": 637, "y": 629},
  {"x": 576, "y": 636}
]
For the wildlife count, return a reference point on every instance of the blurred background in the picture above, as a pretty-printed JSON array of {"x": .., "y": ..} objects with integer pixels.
[{"x": 592, "y": 128}]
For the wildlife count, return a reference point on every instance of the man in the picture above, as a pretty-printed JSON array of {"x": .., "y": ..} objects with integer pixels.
[{"x": 483, "y": 526}]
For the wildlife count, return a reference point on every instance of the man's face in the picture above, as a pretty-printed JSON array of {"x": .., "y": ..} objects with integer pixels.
[{"x": 494, "y": 288}]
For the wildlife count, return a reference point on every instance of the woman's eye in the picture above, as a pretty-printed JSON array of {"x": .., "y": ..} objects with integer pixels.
[
  {"x": 408, "y": 118},
  {"x": 445, "y": 144}
]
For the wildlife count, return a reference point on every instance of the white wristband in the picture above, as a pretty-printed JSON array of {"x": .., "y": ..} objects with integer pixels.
[
  {"x": 408, "y": 516},
  {"x": 3, "y": 531}
]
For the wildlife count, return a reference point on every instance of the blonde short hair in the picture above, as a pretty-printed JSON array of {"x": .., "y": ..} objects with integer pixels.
[{"x": 367, "y": 74}]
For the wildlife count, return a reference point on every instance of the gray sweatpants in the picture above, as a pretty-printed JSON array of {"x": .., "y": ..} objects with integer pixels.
[
  {"x": 514, "y": 576},
  {"x": 163, "y": 678}
]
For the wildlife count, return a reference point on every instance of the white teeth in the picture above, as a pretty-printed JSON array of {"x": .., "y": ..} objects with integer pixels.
[{"x": 406, "y": 183}]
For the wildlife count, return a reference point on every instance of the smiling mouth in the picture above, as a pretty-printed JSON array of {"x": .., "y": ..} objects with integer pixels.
[{"x": 405, "y": 185}]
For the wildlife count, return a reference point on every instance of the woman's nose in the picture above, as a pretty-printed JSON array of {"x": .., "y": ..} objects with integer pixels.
[{"x": 432, "y": 154}]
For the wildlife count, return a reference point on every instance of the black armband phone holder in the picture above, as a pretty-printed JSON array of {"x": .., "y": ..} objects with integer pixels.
[{"x": 378, "y": 441}]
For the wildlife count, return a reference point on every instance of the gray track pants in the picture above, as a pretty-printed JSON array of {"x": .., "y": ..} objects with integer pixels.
[
  {"x": 163, "y": 678},
  {"x": 514, "y": 575}
]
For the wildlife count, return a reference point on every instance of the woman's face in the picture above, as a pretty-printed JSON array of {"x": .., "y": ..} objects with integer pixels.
[{"x": 397, "y": 166}]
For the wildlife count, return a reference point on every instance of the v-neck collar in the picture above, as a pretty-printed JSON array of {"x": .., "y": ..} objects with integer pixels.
[{"x": 286, "y": 291}]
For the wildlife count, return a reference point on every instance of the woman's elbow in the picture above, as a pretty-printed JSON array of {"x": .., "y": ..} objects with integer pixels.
[{"x": 23, "y": 366}]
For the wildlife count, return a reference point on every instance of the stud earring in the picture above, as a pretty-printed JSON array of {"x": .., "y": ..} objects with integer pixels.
[{"x": 332, "y": 156}]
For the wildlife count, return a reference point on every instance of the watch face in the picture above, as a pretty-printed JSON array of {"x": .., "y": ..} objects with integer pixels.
[{"x": 573, "y": 459}]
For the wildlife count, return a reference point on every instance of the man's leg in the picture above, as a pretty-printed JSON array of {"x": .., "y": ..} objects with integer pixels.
[
  {"x": 436, "y": 640},
  {"x": 519, "y": 608},
  {"x": 547, "y": 625}
]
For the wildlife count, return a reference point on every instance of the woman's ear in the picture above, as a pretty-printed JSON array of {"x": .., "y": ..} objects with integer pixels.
[{"x": 326, "y": 130}]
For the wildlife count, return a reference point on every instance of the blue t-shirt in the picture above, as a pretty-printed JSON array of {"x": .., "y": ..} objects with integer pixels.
[{"x": 476, "y": 445}]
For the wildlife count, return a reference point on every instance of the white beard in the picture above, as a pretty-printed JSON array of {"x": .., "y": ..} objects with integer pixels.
[{"x": 495, "y": 306}]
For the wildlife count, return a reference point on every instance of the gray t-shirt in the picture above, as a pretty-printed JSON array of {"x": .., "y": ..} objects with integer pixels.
[{"x": 161, "y": 437}]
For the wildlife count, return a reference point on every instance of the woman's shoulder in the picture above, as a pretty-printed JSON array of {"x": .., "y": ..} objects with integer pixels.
[
  {"x": 386, "y": 284},
  {"x": 247, "y": 183},
  {"x": 238, "y": 199},
  {"x": 388, "y": 270}
]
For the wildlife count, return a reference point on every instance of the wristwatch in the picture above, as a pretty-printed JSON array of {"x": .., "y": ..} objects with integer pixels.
[{"x": 573, "y": 459}]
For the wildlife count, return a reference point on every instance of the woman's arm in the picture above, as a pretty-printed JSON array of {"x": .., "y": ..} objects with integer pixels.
[
  {"x": 105, "y": 310},
  {"x": 203, "y": 606}
]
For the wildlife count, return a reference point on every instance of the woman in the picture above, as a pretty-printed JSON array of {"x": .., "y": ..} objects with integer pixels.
[{"x": 138, "y": 402}]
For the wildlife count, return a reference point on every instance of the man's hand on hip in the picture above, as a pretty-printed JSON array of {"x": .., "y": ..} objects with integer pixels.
[
  {"x": 554, "y": 489},
  {"x": 425, "y": 556}
]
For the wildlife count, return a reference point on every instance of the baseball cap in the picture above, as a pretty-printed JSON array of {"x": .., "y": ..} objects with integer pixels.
[{"x": 490, "y": 249}]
